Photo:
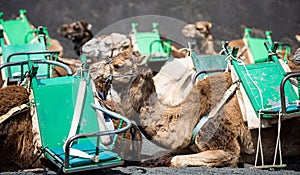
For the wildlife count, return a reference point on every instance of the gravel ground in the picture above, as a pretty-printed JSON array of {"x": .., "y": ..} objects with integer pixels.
[
  {"x": 151, "y": 149},
  {"x": 175, "y": 171}
]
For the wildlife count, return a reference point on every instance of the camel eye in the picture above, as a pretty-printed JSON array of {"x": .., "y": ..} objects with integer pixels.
[
  {"x": 201, "y": 29},
  {"x": 76, "y": 28},
  {"x": 116, "y": 66}
]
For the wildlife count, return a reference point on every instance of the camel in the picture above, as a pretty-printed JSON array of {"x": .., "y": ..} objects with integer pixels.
[
  {"x": 200, "y": 31},
  {"x": 172, "y": 126},
  {"x": 79, "y": 32},
  {"x": 224, "y": 141}
]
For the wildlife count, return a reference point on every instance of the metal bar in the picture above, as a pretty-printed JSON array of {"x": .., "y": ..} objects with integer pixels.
[
  {"x": 282, "y": 93},
  {"x": 206, "y": 72},
  {"x": 96, "y": 134},
  {"x": 67, "y": 68},
  {"x": 39, "y": 62},
  {"x": 31, "y": 53}
]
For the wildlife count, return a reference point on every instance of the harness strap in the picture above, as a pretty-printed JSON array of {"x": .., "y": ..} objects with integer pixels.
[
  {"x": 75, "y": 121},
  {"x": 214, "y": 110}
]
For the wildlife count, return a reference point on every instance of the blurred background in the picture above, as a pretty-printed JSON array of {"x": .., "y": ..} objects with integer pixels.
[{"x": 229, "y": 18}]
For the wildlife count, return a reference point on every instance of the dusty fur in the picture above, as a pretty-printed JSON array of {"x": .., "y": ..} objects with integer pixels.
[
  {"x": 16, "y": 137},
  {"x": 12, "y": 96}
]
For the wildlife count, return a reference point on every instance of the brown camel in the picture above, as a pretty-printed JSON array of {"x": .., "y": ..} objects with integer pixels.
[
  {"x": 224, "y": 140},
  {"x": 79, "y": 32}
]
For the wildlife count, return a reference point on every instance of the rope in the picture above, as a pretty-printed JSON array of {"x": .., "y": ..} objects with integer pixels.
[
  {"x": 230, "y": 57},
  {"x": 278, "y": 143},
  {"x": 259, "y": 143},
  {"x": 116, "y": 136},
  {"x": 259, "y": 90},
  {"x": 35, "y": 160},
  {"x": 242, "y": 52}
]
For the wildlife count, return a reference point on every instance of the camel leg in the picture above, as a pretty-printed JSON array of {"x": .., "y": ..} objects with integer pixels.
[
  {"x": 210, "y": 158},
  {"x": 164, "y": 158}
]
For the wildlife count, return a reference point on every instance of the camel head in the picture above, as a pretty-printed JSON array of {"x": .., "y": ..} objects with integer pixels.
[
  {"x": 123, "y": 69},
  {"x": 296, "y": 56},
  {"x": 79, "y": 32},
  {"x": 127, "y": 65},
  {"x": 76, "y": 30},
  {"x": 200, "y": 29}
]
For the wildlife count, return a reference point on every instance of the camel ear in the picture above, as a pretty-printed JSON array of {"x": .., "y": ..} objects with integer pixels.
[
  {"x": 142, "y": 60},
  {"x": 89, "y": 27},
  {"x": 203, "y": 26},
  {"x": 189, "y": 31},
  {"x": 209, "y": 25},
  {"x": 297, "y": 37},
  {"x": 86, "y": 25}
]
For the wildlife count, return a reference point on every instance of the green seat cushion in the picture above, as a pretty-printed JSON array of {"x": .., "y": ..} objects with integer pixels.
[
  {"x": 289, "y": 109},
  {"x": 208, "y": 62},
  {"x": 89, "y": 148}
]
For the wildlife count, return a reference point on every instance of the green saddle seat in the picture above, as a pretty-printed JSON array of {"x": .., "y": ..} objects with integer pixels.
[
  {"x": 208, "y": 62},
  {"x": 89, "y": 148}
]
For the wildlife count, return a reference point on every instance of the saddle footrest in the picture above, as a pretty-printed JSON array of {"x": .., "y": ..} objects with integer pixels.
[
  {"x": 87, "y": 147},
  {"x": 275, "y": 110}
]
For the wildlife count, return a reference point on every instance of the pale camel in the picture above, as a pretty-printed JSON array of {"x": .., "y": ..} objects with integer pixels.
[{"x": 224, "y": 140}]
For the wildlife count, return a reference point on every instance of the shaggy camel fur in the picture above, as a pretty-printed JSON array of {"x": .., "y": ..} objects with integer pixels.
[
  {"x": 16, "y": 145},
  {"x": 294, "y": 61}
]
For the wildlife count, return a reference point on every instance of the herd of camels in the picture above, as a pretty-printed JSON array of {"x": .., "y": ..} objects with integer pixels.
[{"x": 225, "y": 140}]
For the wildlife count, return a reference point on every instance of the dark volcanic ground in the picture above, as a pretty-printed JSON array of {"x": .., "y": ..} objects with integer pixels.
[{"x": 229, "y": 17}]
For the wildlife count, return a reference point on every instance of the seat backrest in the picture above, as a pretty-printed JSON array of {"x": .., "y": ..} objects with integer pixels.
[
  {"x": 10, "y": 54},
  {"x": 256, "y": 46},
  {"x": 18, "y": 31},
  {"x": 150, "y": 43},
  {"x": 261, "y": 82},
  {"x": 208, "y": 62},
  {"x": 55, "y": 101}
]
